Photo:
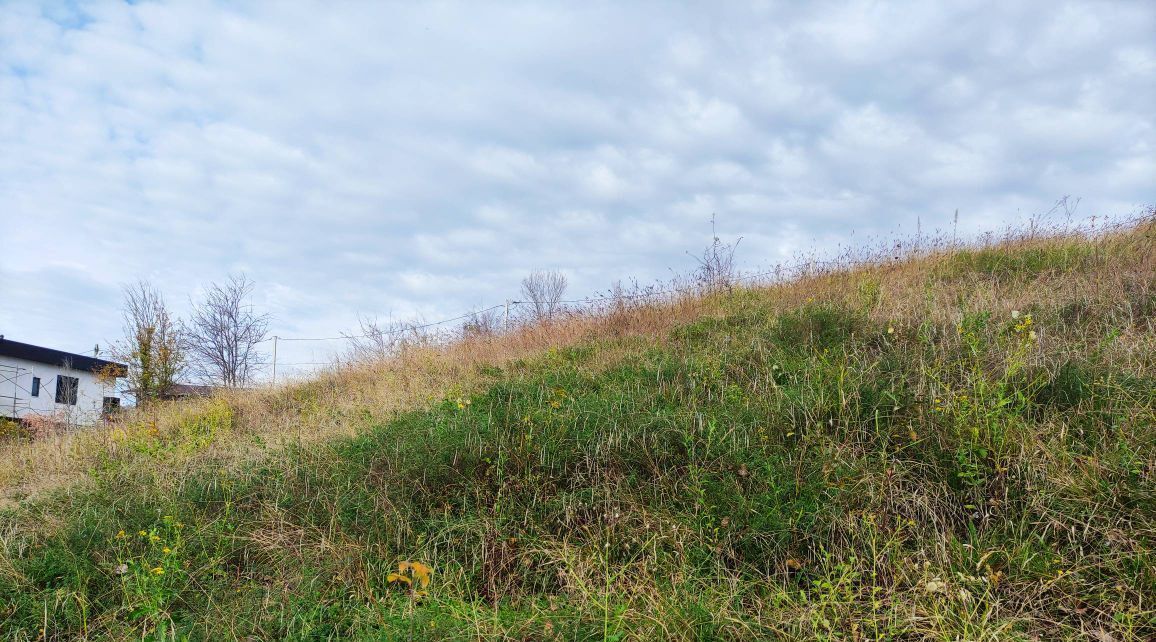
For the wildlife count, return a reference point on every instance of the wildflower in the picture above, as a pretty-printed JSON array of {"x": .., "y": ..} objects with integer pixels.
[
  {"x": 1032, "y": 335},
  {"x": 1015, "y": 314},
  {"x": 158, "y": 571},
  {"x": 120, "y": 534},
  {"x": 120, "y": 569},
  {"x": 142, "y": 533},
  {"x": 166, "y": 550},
  {"x": 890, "y": 330}
]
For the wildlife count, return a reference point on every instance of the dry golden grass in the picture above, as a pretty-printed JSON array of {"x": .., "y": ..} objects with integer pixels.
[
  {"x": 336, "y": 401},
  {"x": 1116, "y": 271},
  {"x": 769, "y": 461}
]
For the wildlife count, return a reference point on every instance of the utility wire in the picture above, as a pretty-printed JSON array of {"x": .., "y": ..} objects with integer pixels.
[
  {"x": 410, "y": 328},
  {"x": 392, "y": 332}
]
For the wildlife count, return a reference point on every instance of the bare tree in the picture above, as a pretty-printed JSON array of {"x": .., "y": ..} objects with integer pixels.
[
  {"x": 483, "y": 323},
  {"x": 543, "y": 290},
  {"x": 154, "y": 344},
  {"x": 224, "y": 334},
  {"x": 379, "y": 340}
]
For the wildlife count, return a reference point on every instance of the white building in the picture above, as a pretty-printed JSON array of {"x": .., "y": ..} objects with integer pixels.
[{"x": 67, "y": 387}]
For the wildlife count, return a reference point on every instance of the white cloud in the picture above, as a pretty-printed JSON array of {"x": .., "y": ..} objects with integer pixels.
[{"x": 419, "y": 159}]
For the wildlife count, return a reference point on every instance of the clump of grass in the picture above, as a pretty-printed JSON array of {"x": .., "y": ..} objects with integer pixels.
[
  {"x": 1023, "y": 263},
  {"x": 890, "y": 453}
]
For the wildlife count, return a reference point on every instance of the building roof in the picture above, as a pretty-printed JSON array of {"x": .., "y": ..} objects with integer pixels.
[{"x": 29, "y": 352}]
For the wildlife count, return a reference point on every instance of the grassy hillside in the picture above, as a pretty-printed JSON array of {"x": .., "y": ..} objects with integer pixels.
[{"x": 956, "y": 445}]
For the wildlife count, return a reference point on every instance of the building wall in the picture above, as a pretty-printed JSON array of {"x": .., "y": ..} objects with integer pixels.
[{"x": 16, "y": 381}]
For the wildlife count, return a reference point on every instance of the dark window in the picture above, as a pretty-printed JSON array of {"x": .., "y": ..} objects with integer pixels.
[
  {"x": 35, "y": 386},
  {"x": 111, "y": 405},
  {"x": 66, "y": 389}
]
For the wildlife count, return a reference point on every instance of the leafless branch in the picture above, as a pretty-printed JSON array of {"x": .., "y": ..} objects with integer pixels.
[
  {"x": 224, "y": 334},
  {"x": 543, "y": 290},
  {"x": 716, "y": 266},
  {"x": 379, "y": 340}
]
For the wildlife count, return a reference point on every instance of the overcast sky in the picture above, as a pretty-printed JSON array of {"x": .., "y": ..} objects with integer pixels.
[{"x": 418, "y": 159}]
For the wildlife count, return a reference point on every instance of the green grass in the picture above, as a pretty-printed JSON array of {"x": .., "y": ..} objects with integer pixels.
[
  {"x": 1022, "y": 263},
  {"x": 814, "y": 472}
]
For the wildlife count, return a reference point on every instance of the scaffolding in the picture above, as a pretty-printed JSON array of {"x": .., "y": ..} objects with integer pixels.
[{"x": 14, "y": 405}]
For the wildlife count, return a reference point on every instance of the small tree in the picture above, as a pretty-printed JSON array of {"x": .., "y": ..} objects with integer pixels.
[
  {"x": 543, "y": 289},
  {"x": 379, "y": 340},
  {"x": 153, "y": 345},
  {"x": 224, "y": 334},
  {"x": 483, "y": 323}
]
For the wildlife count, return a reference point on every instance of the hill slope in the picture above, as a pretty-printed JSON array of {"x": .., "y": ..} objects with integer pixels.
[{"x": 954, "y": 446}]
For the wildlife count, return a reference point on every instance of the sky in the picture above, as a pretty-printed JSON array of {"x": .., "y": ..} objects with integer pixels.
[{"x": 417, "y": 160}]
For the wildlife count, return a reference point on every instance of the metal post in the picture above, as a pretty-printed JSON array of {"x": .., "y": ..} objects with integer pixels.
[
  {"x": 506, "y": 322},
  {"x": 274, "y": 360}
]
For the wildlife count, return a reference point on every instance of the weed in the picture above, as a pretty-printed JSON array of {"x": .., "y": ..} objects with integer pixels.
[{"x": 965, "y": 457}]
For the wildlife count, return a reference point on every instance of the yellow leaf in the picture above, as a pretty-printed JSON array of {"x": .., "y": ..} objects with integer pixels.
[
  {"x": 421, "y": 573},
  {"x": 394, "y": 577}
]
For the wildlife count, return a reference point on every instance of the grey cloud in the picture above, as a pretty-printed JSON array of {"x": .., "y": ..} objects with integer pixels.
[{"x": 418, "y": 159}]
